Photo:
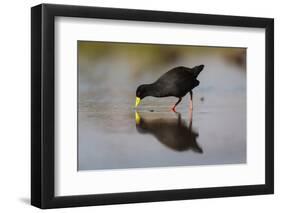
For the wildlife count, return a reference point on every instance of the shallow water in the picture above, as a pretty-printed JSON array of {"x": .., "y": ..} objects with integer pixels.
[{"x": 110, "y": 138}]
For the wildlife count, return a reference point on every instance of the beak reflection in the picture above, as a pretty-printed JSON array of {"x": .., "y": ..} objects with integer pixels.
[{"x": 137, "y": 118}]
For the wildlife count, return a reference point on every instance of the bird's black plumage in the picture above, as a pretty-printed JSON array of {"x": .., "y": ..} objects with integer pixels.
[{"x": 176, "y": 82}]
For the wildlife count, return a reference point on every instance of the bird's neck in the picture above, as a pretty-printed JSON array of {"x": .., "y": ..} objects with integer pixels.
[{"x": 152, "y": 90}]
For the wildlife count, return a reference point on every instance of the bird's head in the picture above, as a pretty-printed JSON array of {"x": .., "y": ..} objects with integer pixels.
[{"x": 141, "y": 93}]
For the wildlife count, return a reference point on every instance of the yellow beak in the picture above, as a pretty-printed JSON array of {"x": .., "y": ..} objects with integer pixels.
[
  {"x": 138, "y": 100},
  {"x": 137, "y": 118}
]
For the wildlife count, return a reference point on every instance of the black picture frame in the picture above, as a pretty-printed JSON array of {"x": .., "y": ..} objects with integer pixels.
[{"x": 43, "y": 102}]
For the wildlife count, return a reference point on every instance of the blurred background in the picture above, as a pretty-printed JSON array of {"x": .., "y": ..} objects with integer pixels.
[{"x": 108, "y": 136}]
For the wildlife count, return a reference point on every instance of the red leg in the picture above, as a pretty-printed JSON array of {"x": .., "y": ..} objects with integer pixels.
[
  {"x": 190, "y": 105},
  {"x": 174, "y": 107},
  {"x": 191, "y": 101}
]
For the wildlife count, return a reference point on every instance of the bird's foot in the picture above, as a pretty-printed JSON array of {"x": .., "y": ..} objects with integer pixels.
[{"x": 174, "y": 109}]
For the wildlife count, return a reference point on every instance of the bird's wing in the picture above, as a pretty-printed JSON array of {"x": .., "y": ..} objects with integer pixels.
[{"x": 175, "y": 83}]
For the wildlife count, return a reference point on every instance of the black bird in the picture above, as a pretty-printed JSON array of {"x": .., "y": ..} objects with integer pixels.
[{"x": 176, "y": 82}]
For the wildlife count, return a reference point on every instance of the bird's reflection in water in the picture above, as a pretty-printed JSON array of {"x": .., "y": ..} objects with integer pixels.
[{"x": 171, "y": 132}]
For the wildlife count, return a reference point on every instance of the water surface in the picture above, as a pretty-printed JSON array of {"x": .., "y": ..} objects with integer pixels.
[{"x": 110, "y": 138}]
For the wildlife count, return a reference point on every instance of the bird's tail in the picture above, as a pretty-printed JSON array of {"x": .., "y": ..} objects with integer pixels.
[{"x": 197, "y": 70}]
